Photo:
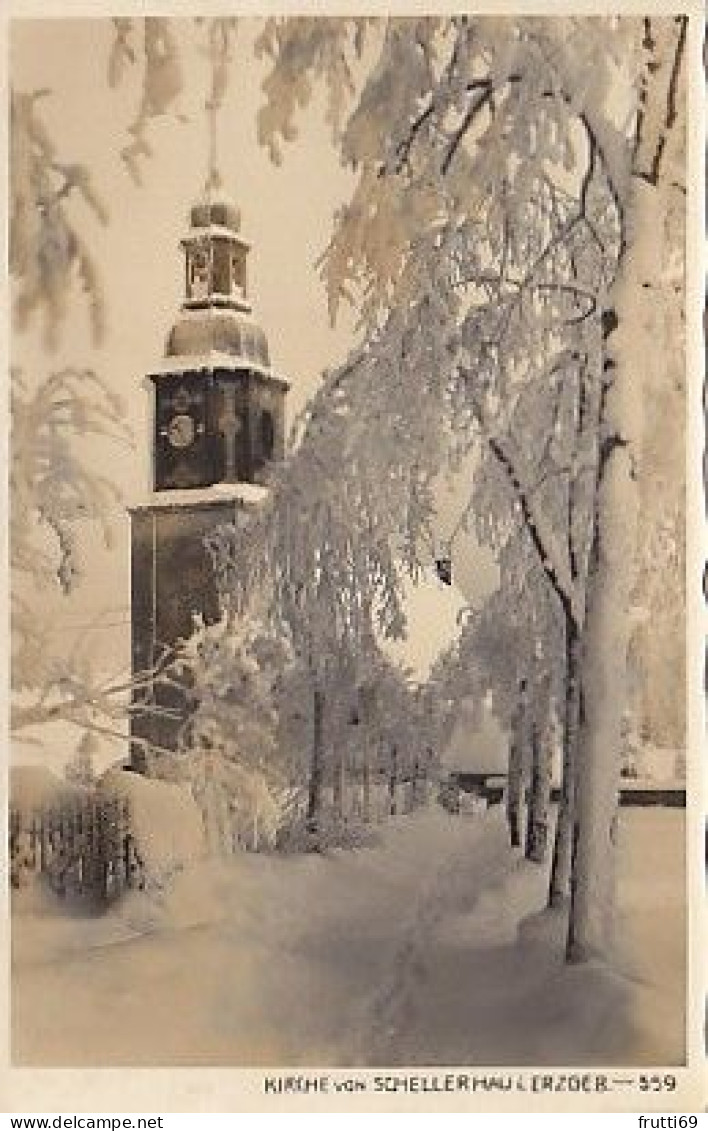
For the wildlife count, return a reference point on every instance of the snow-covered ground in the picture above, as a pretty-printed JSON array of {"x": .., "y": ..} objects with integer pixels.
[{"x": 423, "y": 947}]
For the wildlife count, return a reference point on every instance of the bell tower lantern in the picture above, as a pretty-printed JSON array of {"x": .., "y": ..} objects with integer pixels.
[{"x": 215, "y": 257}]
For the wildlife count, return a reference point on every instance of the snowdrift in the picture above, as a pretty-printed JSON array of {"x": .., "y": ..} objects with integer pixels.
[
  {"x": 166, "y": 823},
  {"x": 33, "y": 788}
]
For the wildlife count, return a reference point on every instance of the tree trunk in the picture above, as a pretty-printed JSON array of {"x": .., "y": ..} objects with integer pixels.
[
  {"x": 338, "y": 785},
  {"x": 516, "y": 773},
  {"x": 392, "y": 782},
  {"x": 559, "y": 886},
  {"x": 514, "y": 792},
  {"x": 366, "y": 785},
  {"x": 539, "y": 796},
  {"x": 314, "y": 796},
  {"x": 415, "y": 787},
  {"x": 648, "y": 308},
  {"x": 604, "y": 689}
]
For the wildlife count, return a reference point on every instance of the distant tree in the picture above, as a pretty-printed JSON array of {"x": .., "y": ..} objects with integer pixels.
[{"x": 81, "y": 769}]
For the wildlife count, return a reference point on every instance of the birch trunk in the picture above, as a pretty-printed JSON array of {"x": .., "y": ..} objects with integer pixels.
[
  {"x": 539, "y": 797},
  {"x": 516, "y": 773},
  {"x": 314, "y": 796},
  {"x": 604, "y": 700},
  {"x": 366, "y": 785},
  {"x": 338, "y": 785},
  {"x": 393, "y": 782},
  {"x": 559, "y": 886},
  {"x": 648, "y": 311}
]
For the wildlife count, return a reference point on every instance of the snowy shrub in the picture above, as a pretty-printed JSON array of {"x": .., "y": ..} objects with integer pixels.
[
  {"x": 165, "y": 823},
  {"x": 241, "y": 807},
  {"x": 331, "y": 831},
  {"x": 231, "y": 749}
]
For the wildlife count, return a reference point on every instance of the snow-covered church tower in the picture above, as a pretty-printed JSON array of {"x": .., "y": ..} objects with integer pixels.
[{"x": 218, "y": 421}]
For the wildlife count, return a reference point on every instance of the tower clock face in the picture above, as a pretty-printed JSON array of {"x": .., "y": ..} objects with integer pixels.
[
  {"x": 182, "y": 453},
  {"x": 180, "y": 430}
]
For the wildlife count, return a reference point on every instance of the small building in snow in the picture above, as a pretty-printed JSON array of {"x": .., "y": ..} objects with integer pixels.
[{"x": 477, "y": 745}]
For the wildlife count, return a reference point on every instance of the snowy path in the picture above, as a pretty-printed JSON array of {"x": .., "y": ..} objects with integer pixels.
[
  {"x": 455, "y": 887},
  {"x": 404, "y": 952},
  {"x": 258, "y": 959},
  {"x": 491, "y": 986}
]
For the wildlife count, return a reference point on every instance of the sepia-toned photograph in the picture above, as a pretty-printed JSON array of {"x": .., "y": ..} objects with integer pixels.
[{"x": 348, "y": 541}]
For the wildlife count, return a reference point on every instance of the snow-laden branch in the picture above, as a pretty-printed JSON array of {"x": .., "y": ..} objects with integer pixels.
[
  {"x": 72, "y": 696},
  {"x": 46, "y": 248},
  {"x": 552, "y": 559},
  {"x": 657, "y": 115}
]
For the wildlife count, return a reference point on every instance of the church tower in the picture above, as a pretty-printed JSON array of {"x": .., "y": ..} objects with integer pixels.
[{"x": 218, "y": 422}]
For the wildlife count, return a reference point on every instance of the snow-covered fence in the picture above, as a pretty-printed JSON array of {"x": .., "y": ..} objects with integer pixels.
[{"x": 84, "y": 847}]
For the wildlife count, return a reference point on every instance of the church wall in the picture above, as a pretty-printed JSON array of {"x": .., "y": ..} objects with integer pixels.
[{"x": 171, "y": 581}]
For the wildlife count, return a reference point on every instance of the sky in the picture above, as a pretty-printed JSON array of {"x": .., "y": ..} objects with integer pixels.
[{"x": 286, "y": 213}]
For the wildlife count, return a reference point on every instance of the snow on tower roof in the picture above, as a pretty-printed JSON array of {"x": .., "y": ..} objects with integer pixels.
[
  {"x": 227, "y": 331},
  {"x": 241, "y": 494},
  {"x": 210, "y": 360},
  {"x": 217, "y": 208}
]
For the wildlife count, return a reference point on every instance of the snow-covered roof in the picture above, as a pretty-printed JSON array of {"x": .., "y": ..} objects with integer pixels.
[
  {"x": 477, "y": 743},
  {"x": 221, "y": 230},
  {"x": 215, "y": 208},
  {"x": 242, "y": 494},
  {"x": 37, "y": 787},
  {"x": 209, "y": 360},
  {"x": 232, "y": 332}
]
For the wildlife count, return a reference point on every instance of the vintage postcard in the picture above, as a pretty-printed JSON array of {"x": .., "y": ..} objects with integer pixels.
[{"x": 355, "y": 667}]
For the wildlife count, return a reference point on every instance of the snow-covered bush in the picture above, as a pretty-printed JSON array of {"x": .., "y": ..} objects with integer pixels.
[
  {"x": 165, "y": 822},
  {"x": 80, "y": 770},
  {"x": 32, "y": 791},
  {"x": 239, "y": 769},
  {"x": 332, "y": 831}
]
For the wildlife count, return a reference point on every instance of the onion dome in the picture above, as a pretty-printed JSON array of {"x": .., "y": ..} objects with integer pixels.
[
  {"x": 198, "y": 332},
  {"x": 219, "y": 211}
]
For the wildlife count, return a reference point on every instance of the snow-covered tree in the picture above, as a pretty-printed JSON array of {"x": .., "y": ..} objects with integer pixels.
[
  {"x": 81, "y": 769},
  {"x": 511, "y": 174},
  {"x": 53, "y": 490},
  {"x": 322, "y": 553},
  {"x": 46, "y": 249},
  {"x": 238, "y": 679}
]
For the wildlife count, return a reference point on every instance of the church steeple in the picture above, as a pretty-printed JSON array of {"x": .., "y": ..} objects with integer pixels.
[
  {"x": 219, "y": 408},
  {"x": 218, "y": 425}
]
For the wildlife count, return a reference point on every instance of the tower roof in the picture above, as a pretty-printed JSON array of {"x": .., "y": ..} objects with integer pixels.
[
  {"x": 216, "y": 208},
  {"x": 197, "y": 332}
]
